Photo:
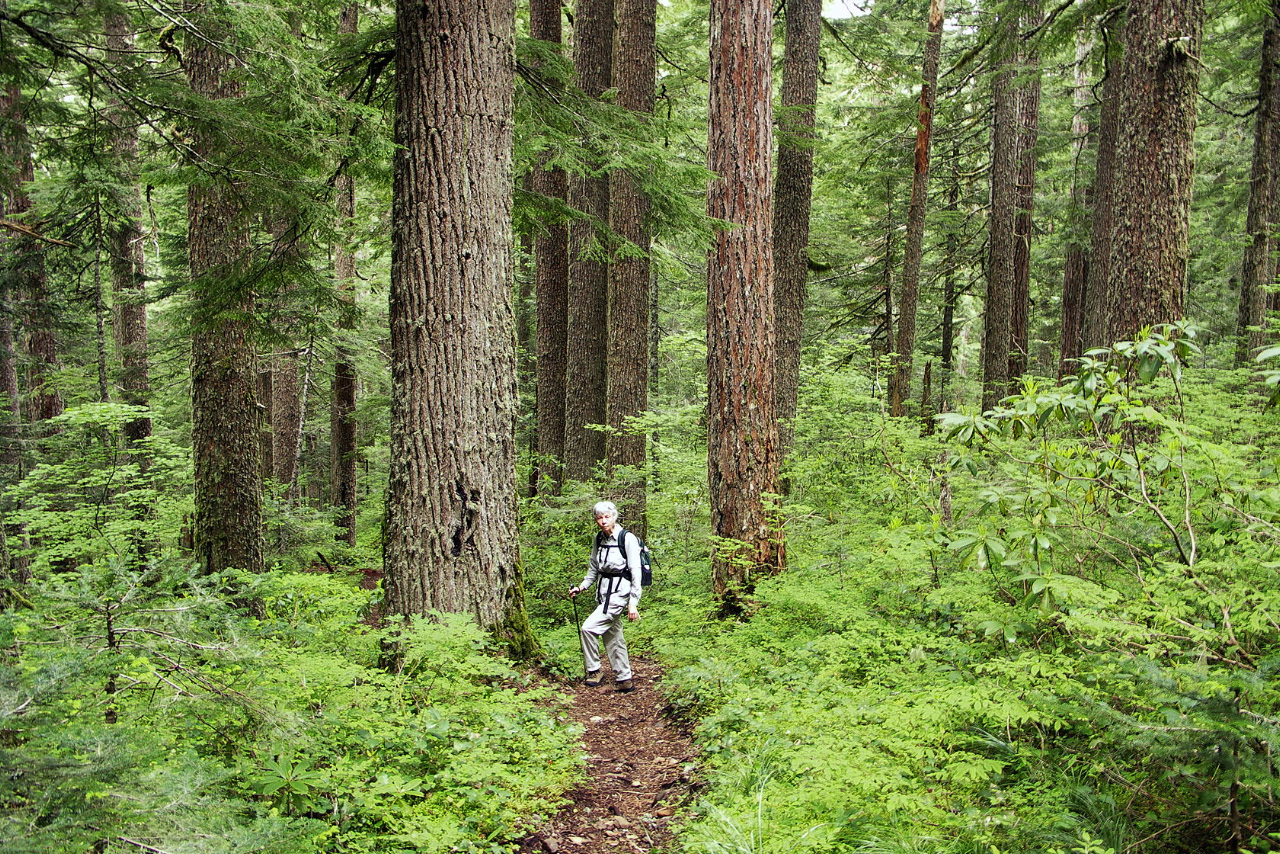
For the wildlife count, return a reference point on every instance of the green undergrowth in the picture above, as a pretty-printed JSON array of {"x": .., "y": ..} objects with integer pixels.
[
  {"x": 1053, "y": 629},
  {"x": 140, "y": 710}
]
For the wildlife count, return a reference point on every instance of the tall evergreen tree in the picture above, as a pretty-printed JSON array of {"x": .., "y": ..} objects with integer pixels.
[
  {"x": 551, "y": 268},
  {"x": 586, "y": 385},
  {"x": 742, "y": 429},
  {"x": 1027, "y": 99},
  {"x": 793, "y": 200},
  {"x": 1004, "y": 172},
  {"x": 1159, "y": 86},
  {"x": 451, "y": 491},
  {"x": 1258, "y": 269},
  {"x": 634, "y": 70},
  {"x": 1102, "y": 229},
  {"x": 26, "y": 265},
  {"x": 342, "y": 420},
  {"x": 909, "y": 297},
  {"x": 1076, "y": 266},
  {"x": 125, "y": 247},
  {"x": 224, "y": 406}
]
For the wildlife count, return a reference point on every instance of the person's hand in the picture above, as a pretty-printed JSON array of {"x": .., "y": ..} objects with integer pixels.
[
  {"x": 633, "y": 614},
  {"x": 573, "y": 591}
]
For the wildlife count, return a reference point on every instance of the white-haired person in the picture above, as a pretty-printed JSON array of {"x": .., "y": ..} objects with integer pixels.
[{"x": 614, "y": 567}]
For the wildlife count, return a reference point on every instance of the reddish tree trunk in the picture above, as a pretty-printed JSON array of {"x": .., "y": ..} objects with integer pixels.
[
  {"x": 742, "y": 429},
  {"x": 909, "y": 295}
]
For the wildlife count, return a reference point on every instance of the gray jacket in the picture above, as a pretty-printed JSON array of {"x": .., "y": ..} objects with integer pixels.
[{"x": 607, "y": 560}]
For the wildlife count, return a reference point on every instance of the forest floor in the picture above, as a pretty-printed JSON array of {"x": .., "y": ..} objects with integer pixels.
[{"x": 640, "y": 764}]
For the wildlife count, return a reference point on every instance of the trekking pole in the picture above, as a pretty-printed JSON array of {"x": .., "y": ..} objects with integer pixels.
[{"x": 573, "y": 600}]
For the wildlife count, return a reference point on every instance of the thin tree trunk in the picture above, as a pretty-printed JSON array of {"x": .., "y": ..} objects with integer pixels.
[
  {"x": 926, "y": 400},
  {"x": 949, "y": 293},
  {"x": 586, "y": 385},
  {"x": 1098, "y": 281},
  {"x": 1258, "y": 268},
  {"x": 635, "y": 69},
  {"x": 451, "y": 493},
  {"x": 878, "y": 346},
  {"x": 266, "y": 444},
  {"x": 742, "y": 430},
  {"x": 913, "y": 252},
  {"x": 14, "y": 567},
  {"x": 13, "y": 142},
  {"x": 342, "y": 423},
  {"x": 793, "y": 199},
  {"x": 551, "y": 263},
  {"x": 1027, "y": 97},
  {"x": 1076, "y": 265},
  {"x": 224, "y": 407},
  {"x": 1154, "y": 164},
  {"x": 127, "y": 258},
  {"x": 26, "y": 265},
  {"x": 1004, "y": 171},
  {"x": 286, "y": 419}
]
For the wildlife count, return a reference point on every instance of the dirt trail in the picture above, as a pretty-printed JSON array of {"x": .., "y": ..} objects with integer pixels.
[{"x": 639, "y": 767}]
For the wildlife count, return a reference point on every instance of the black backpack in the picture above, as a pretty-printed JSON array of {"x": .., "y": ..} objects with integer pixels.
[{"x": 646, "y": 561}]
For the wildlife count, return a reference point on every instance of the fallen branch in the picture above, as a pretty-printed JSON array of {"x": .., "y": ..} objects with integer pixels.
[{"x": 20, "y": 228}]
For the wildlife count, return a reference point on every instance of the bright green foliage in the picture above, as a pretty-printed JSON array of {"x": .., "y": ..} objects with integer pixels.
[
  {"x": 139, "y": 706},
  {"x": 1054, "y": 632},
  {"x": 88, "y": 500}
]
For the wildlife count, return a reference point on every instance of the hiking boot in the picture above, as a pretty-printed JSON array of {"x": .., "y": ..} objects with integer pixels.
[
  {"x": 593, "y": 679},
  {"x": 625, "y": 686}
]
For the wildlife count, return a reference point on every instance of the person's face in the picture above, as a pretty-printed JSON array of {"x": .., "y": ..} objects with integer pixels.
[{"x": 606, "y": 522}]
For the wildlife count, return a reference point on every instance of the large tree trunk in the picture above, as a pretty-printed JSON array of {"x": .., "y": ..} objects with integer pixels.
[
  {"x": 1027, "y": 97},
  {"x": 1004, "y": 189},
  {"x": 742, "y": 430},
  {"x": 1076, "y": 264},
  {"x": 586, "y": 386},
  {"x": 224, "y": 409},
  {"x": 551, "y": 263},
  {"x": 1098, "y": 281},
  {"x": 451, "y": 495},
  {"x": 1154, "y": 163},
  {"x": 792, "y": 202},
  {"x": 913, "y": 252},
  {"x": 1258, "y": 269},
  {"x": 342, "y": 423},
  {"x": 634, "y": 68}
]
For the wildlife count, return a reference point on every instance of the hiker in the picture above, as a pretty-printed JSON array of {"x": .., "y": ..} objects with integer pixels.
[{"x": 616, "y": 573}]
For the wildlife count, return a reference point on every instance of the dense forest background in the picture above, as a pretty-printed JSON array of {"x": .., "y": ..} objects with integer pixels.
[{"x": 930, "y": 347}]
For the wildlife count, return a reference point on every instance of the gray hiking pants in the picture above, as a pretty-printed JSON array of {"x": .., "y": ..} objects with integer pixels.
[{"x": 606, "y": 622}]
